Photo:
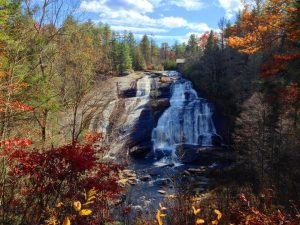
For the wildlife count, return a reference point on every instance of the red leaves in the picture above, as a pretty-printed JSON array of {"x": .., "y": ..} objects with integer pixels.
[
  {"x": 290, "y": 94},
  {"x": 278, "y": 64},
  {"x": 93, "y": 137},
  {"x": 75, "y": 164},
  {"x": 41, "y": 177},
  {"x": 244, "y": 210},
  {"x": 11, "y": 144},
  {"x": 16, "y": 105}
]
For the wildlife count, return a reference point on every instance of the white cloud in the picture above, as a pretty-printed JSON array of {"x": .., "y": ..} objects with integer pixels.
[
  {"x": 200, "y": 27},
  {"x": 92, "y": 6},
  {"x": 139, "y": 29},
  {"x": 231, "y": 7},
  {"x": 142, "y": 5},
  {"x": 122, "y": 15},
  {"x": 188, "y": 4},
  {"x": 172, "y": 22}
]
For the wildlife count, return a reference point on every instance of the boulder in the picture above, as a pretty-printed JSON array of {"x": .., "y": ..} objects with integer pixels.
[
  {"x": 165, "y": 79},
  {"x": 140, "y": 151},
  {"x": 128, "y": 93},
  {"x": 126, "y": 73},
  {"x": 145, "y": 178},
  {"x": 160, "y": 104},
  {"x": 217, "y": 140},
  {"x": 195, "y": 153}
]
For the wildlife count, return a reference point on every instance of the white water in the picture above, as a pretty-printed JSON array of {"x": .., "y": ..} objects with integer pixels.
[{"x": 187, "y": 121}]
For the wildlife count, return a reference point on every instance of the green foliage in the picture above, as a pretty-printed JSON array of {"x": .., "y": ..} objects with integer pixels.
[
  {"x": 169, "y": 64},
  {"x": 124, "y": 58},
  {"x": 146, "y": 49},
  {"x": 139, "y": 61}
]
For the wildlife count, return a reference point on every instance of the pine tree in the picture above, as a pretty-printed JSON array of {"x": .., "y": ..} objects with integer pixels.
[
  {"x": 146, "y": 49},
  {"x": 211, "y": 43},
  {"x": 192, "y": 47},
  {"x": 139, "y": 62},
  {"x": 125, "y": 61}
]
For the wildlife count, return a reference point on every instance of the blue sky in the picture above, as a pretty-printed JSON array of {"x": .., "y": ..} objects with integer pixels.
[{"x": 165, "y": 20}]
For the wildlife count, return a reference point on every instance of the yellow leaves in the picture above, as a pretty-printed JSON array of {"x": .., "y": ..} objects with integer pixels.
[
  {"x": 91, "y": 193},
  {"x": 196, "y": 211},
  {"x": 52, "y": 221},
  {"x": 160, "y": 215},
  {"x": 85, "y": 212},
  {"x": 67, "y": 221},
  {"x": 215, "y": 222},
  {"x": 162, "y": 207},
  {"x": 200, "y": 221},
  {"x": 77, "y": 206},
  {"x": 88, "y": 198},
  {"x": 59, "y": 205},
  {"x": 219, "y": 214}
]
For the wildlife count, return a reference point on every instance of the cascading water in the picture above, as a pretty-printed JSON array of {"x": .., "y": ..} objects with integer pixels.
[{"x": 187, "y": 121}]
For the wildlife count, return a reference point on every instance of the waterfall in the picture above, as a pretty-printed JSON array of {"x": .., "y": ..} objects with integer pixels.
[{"x": 188, "y": 120}]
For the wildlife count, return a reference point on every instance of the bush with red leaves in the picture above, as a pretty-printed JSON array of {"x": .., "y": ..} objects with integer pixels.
[
  {"x": 37, "y": 181},
  {"x": 244, "y": 210}
]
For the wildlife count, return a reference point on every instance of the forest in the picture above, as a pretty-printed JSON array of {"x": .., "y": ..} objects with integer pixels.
[{"x": 53, "y": 167}]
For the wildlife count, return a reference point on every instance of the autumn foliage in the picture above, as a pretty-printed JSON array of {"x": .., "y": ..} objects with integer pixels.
[
  {"x": 38, "y": 180},
  {"x": 276, "y": 24}
]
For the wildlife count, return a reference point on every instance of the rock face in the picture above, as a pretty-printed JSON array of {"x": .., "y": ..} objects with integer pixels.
[
  {"x": 139, "y": 142},
  {"x": 140, "y": 151},
  {"x": 193, "y": 153}
]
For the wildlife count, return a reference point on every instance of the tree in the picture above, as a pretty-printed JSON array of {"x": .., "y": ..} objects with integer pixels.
[
  {"x": 179, "y": 49},
  {"x": 154, "y": 52},
  {"x": 192, "y": 47},
  {"x": 125, "y": 61},
  {"x": 164, "y": 51},
  {"x": 211, "y": 44},
  {"x": 139, "y": 63},
  {"x": 146, "y": 49}
]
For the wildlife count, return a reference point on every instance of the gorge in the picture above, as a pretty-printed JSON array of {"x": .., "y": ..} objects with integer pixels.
[{"x": 165, "y": 133}]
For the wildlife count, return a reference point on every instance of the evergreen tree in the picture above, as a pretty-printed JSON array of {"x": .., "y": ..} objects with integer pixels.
[
  {"x": 154, "y": 52},
  {"x": 125, "y": 60},
  {"x": 139, "y": 62},
  {"x": 192, "y": 48},
  {"x": 146, "y": 49},
  {"x": 179, "y": 49},
  {"x": 211, "y": 44}
]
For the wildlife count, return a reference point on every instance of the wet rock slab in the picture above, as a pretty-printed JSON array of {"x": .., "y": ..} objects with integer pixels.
[{"x": 194, "y": 153}]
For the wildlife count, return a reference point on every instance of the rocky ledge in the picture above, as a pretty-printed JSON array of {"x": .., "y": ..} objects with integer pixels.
[
  {"x": 195, "y": 154},
  {"x": 140, "y": 140}
]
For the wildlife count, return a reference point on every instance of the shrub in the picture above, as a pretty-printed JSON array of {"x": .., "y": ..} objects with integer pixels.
[{"x": 37, "y": 180}]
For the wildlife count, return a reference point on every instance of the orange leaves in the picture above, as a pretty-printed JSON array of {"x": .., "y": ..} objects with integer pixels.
[
  {"x": 14, "y": 105},
  {"x": 248, "y": 40},
  {"x": 275, "y": 27},
  {"x": 258, "y": 31}
]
